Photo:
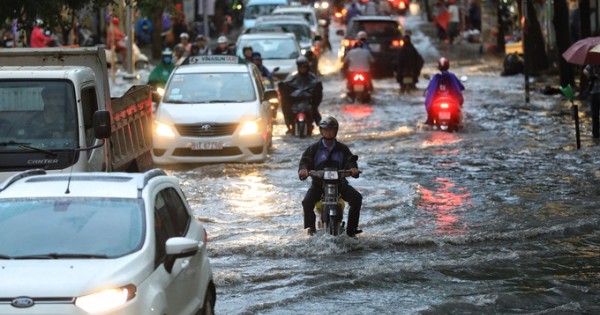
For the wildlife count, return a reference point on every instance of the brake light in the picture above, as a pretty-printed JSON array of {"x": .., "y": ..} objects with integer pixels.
[
  {"x": 301, "y": 117},
  {"x": 358, "y": 77},
  {"x": 349, "y": 42},
  {"x": 401, "y": 5},
  {"x": 444, "y": 105},
  {"x": 398, "y": 43}
]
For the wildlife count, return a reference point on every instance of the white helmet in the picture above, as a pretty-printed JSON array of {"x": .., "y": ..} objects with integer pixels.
[{"x": 222, "y": 40}]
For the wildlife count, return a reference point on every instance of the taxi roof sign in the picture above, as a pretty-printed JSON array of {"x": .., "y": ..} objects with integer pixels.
[{"x": 196, "y": 60}]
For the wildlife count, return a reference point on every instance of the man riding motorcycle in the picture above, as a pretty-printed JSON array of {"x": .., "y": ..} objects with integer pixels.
[
  {"x": 303, "y": 86},
  {"x": 408, "y": 65},
  {"x": 358, "y": 59},
  {"x": 329, "y": 152},
  {"x": 160, "y": 74},
  {"x": 442, "y": 82}
]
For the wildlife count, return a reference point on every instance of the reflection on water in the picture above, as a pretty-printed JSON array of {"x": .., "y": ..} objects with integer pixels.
[
  {"x": 446, "y": 203},
  {"x": 440, "y": 139},
  {"x": 357, "y": 111}
]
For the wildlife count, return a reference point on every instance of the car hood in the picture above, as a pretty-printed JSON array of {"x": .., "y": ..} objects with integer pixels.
[
  {"x": 286, "y": 66},
  {"x": 201, "y": 113},
  {"x": 69, "y": 277}
]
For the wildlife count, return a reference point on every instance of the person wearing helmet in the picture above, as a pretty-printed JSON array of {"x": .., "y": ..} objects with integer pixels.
[
  {"x": 203, "y": 47},
  {"x": 160, "y": 74},
  {"x": 179, "y": 54},
  {"x": 329, "y": 152},
  {"x": 443, "y": 82},
  {"x": 38, "y": 38},
  {"x": 223, "y": 47},
  {"x": 358, "y": 59},
  {"x": 302, "y": 86},
  {"x": 184, "y": 39}
]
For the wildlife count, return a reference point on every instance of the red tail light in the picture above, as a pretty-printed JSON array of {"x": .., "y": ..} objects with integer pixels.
[
  {"x": 359, "y": 77},
  {"x": 397, "y": 43},
  {"x": 301, "y": 116},
  {"x": 349, "y": 42}
]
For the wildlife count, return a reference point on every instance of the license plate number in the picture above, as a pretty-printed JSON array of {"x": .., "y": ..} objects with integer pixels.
[
  {"x": 444, "y": 115},
  {"x": 207, "y": 146},
  {"x": 359, "y": 88},
  {"x": 375, "y": 47}
]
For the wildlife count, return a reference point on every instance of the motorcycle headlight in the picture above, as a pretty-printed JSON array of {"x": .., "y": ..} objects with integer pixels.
[
  {"x": 106, "y": 300},
  {"x": 274, "y": 100},
  {"x": 250, "y": 127},
  {"x": 160, "y": 91},
  {"x": 163, "y": 130}
]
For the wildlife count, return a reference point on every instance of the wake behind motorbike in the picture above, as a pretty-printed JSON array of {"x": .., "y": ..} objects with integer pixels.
[
  {"x": 359, "y": 86},
  {"x": 331, "y": 205}
]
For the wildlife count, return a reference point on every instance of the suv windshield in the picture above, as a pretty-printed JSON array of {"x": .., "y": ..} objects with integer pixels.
[
  {"x": 188, "y": 88},
  {"x": 54, "y": 228},
  {"x": 374, "y": 29}
]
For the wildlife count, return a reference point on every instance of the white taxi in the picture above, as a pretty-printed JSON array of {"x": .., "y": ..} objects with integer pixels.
[{"x": 214, "y": 109}]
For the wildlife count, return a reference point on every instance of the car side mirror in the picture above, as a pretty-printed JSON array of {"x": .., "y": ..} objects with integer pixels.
[
  {"x": 180, "y": 247},
  {"x": 339, "y": 32},
  {"x": 101, "y": 123},
  {"x": 275, "y": 69}
]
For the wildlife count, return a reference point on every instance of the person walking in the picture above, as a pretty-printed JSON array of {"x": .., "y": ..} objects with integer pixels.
[{"x": 592, "y": 72}]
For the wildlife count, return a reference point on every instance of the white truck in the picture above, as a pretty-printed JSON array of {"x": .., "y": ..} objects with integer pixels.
[{"x": 85, "y": 130}]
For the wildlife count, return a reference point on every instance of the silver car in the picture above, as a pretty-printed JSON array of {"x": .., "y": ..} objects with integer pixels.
[{"x": 277, "y": 50}]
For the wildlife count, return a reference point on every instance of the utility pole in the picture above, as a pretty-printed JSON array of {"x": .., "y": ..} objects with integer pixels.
[{"x": 205, "y": 19}]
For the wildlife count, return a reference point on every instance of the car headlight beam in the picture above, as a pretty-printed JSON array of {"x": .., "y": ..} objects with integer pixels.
[
  {"x": 106, "y": 300},
  {"x": 250, "y": 127},
  {"x": 163, "y": 130}
]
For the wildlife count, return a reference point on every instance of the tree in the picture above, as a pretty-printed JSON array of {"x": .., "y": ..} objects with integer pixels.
[
  {"x": 563, "y": 41},
  {"x": 535, "y": 48},
  {"x": 153, "y": 10}
]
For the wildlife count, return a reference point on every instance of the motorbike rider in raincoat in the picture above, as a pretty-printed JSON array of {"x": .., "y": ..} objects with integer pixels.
[
  {"x": 303, "y": 86},
  {"x": 408, "y": 65},
  {"x": 329, "y": 152},
  {"x": 443, "y": 82},
  {"x": 160, "y": 74},
  {"x": 358, "y": 59}
]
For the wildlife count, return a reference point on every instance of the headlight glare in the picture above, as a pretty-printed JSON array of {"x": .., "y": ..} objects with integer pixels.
[
  {"x": 250, "y": 127},
  {"x": 163, "y": 130},
  {"x": 106, "y": 300}
]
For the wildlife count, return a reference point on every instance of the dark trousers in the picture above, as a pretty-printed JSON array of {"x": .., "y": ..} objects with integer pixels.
[
  {"x": 595, "y": 111},
  {"x": 349, "y": 194}
]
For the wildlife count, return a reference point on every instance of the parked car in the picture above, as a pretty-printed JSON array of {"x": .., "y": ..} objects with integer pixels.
[
  {"x": 214, "y": 109},
  {"x": 101, "y": 243},
  {"x": 277, "y": 50},
  {"x": 384, "y": 37}
]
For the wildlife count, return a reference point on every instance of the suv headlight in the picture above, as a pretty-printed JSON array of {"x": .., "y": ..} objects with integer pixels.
[{"x": 106, "y": 300}]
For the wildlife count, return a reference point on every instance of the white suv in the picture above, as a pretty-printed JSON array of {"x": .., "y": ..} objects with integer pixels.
[{"x": 101, "y": 243}]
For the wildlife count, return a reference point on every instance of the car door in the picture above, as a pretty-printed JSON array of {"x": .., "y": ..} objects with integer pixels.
[{"x": 181, "y": 285}]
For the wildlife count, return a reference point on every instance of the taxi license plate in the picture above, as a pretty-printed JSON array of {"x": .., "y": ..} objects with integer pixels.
[
  {"x": 375, "y": 47},
  {"x": 207, "y": 146},
  {"x": 359, "y": 88},
  {"x": 444, "y": 115}
]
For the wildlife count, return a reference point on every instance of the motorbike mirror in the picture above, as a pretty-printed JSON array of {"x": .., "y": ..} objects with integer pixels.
[
  {"x": 464, "y": 78},
  {"x": 275, "y": 69},
  {"x": 339, "y": 32}
]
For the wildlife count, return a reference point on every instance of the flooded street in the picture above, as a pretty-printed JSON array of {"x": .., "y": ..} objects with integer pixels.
[{"x": 500, "y": 217}]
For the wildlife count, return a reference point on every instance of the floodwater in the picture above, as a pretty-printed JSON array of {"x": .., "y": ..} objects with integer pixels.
[{"x": 500, "y": 217}]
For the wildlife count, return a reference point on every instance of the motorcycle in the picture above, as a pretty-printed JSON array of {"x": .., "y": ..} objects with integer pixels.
[
  {"x": 360, "y": 87},
  {"x": 446, "y": 113},
  {"x": 269, "y": 84},
  {"x": 140, "y": 60},
  {"x": 407, "y": 83},
  {"x": 331, "y": 207},
  {"x": 303, "y": 121}
]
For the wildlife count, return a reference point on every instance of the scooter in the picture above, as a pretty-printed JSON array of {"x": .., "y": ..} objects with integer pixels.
[
  {"x": 303, "y": 121},
  {"x": 407, "y": 83},
  {"x": 446, "y": 113},
  {"x": 359, "y": 86},
  {"x": 331, "y": 204},
  {"x": 140, "y": 60}
]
